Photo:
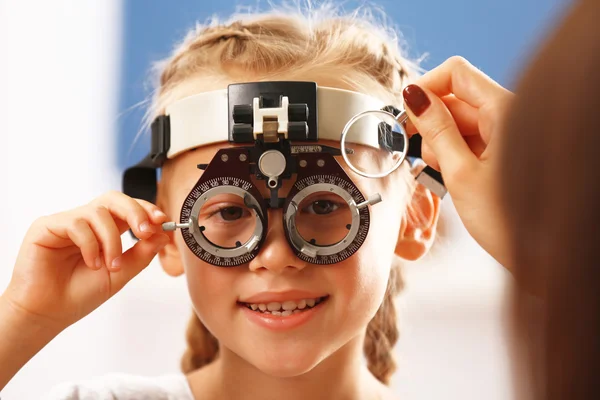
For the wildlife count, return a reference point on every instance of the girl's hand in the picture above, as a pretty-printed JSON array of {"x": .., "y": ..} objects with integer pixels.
[
  {"x": 72, "y": 262},
  {"x": 459, "y": 112}
]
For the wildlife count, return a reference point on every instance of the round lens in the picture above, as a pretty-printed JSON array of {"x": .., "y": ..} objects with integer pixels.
[
  {"x": 323, "y": 219},
  {"x": 226, "y": 221},
  {"x": 374, "y": 143}
]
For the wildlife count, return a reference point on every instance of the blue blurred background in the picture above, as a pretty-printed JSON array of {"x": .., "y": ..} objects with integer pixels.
[{"x": 496, "y": 36}]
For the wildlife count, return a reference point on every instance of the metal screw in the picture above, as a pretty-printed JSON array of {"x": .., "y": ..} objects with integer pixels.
[
  {"x": 303, "y": 163},
  {"x": 243, "y": 157},
  {"x": 320, "y": 163},
  {"x": 224, "y": 157}
]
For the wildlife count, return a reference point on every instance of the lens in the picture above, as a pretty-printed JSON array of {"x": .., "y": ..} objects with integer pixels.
[
  {"x": 226, "y": 221},
  {"x": 323, "y": 219},
  {"x": 377, "y": 143}
]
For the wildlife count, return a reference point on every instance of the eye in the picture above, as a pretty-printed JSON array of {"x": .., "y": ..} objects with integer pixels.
[
  {"x": 232, "y": 213},
  {"x": 321, "y": 207}
]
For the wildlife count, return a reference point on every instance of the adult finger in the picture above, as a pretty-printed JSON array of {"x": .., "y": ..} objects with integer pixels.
[
  {"x": 439, "y": 131},
  {"x": 459, "y": 77},
  {"x": 465, "y": 116}
]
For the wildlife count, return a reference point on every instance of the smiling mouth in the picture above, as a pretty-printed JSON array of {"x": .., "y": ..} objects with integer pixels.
[{"x": 286, "y": 308}]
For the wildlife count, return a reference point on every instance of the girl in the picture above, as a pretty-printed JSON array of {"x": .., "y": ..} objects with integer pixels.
[{"x": 72, "y": 262}]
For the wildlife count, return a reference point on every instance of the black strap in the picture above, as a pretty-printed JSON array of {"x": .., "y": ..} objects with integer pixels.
[{"x": 139, "y": 181}]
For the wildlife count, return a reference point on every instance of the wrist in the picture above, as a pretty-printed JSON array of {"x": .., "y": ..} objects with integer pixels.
[
  {"x": 22, "y": 336},
  {"x": 22, "y": 323}
]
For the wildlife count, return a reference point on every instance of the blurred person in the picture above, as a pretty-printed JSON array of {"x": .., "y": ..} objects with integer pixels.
[{"x": 525, "y": 178}]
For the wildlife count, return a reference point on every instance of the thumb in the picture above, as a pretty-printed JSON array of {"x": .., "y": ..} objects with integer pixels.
[
  {"x": 441, "y": 135},
  {"x": 134, "y": 260}
]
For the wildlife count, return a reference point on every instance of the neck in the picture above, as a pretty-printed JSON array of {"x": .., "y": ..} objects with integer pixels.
[{"x": 342, "y": 375}]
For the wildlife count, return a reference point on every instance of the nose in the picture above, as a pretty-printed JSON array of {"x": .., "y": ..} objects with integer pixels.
[{"x": 276, "y": 255}]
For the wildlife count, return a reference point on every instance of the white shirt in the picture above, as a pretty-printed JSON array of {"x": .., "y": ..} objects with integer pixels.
[{"x": 124, "y": 387}]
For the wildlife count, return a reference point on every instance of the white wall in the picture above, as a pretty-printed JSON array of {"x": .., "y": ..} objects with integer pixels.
[{"x": 59, "y": 64}]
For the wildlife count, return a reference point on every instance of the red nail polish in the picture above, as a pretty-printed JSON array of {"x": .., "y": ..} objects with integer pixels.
[{"x": 416, "y": 99}]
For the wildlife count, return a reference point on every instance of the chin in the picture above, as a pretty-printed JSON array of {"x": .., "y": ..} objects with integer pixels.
[{"x": 286, "y": 363}]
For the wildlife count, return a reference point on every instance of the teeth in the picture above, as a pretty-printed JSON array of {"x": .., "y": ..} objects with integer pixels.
[{"x": 286, "y": 308}]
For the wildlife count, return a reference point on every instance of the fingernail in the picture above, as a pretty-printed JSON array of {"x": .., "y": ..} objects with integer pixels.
[
  {"x": 146, "y": 227},
  {"x": 116, "y": 263},
  {"x": 159, "y": 214},
  {"x": 416, "y": 99},
  {"x": 98, "y": 262}
]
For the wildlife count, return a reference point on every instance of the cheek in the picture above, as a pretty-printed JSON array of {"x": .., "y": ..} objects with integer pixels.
[
  {"x": 363, "y": 278},
  {"x": 210, "y": 288},
  {"x": 361, "y": 281}
]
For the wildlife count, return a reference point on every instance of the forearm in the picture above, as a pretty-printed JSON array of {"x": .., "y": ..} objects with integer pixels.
[{"x": 21, "y": 338}]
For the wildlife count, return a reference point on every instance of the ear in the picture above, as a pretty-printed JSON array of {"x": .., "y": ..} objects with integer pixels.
[
  {"x": 170, "y": 258},
  {"x": 417, "y": 231}
]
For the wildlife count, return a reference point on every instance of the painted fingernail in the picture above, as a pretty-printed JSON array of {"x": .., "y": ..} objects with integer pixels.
[
  {"x": 146, "y": 227},
  {"x": 416, "y": 99},
  {"x": 116, "y": 263}
]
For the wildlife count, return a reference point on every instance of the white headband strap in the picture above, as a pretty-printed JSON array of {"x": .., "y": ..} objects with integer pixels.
[{"x": 203, "y": 119}]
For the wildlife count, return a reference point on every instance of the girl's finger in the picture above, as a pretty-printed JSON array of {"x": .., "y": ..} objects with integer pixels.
[
  {"x": 104, "y": 226},
  {"x": 157, "y": 216},
  {"x": 78, "y": 231},
  {"x": 129, "y": 210},
  {"x": 134, "y": 260},
  {"x": 459, "y": 77},
  {"x": 439, "y": 131}
]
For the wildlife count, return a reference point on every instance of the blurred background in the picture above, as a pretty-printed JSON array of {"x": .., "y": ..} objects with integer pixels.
[{"x": 72, "y": 76}]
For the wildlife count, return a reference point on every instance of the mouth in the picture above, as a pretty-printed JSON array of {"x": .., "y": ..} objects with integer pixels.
[
  {"x": 286, "y": 308},
  {"x": 281, "y": 316}
]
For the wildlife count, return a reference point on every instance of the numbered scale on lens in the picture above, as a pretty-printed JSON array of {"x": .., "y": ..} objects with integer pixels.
[
  {"x": 326, "y": 218},
  {"x": 224, "y": 221}
]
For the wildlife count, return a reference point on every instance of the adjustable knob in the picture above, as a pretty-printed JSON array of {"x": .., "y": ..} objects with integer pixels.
[
  {"x": 297, "y": 112},
  {"x": 242, "y": 114}
]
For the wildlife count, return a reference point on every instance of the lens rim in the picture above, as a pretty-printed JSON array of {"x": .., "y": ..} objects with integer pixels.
[
  {"x": 214, "y": 249},
  {"x": 400, "y": 119},
  {"x": 307, "y": 248}
]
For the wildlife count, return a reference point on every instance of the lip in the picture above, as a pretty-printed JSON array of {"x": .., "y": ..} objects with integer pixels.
[
  {"x": 280, "y": 297},
  {"x": 279, "y": 323}
]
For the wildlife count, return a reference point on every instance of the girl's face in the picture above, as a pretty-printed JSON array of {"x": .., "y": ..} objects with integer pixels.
[{"x": 335, "y": 302}]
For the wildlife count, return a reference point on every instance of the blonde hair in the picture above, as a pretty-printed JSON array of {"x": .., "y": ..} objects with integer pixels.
[{"x": 289, "y": 42}]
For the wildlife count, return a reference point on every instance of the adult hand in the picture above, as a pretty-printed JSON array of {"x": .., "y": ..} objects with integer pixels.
[{"x": 459, "y": 112}]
